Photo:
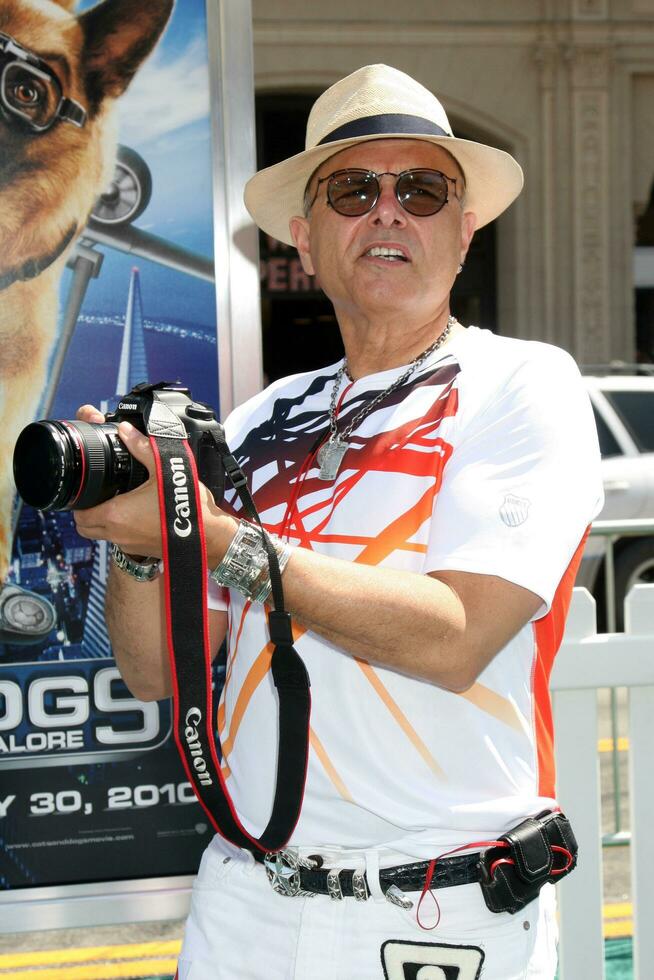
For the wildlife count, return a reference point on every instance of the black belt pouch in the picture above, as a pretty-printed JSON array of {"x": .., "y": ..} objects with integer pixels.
[{"x": 513, "y": 885}]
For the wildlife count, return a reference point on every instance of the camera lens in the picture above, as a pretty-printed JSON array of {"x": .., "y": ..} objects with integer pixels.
[{"x": 65, "y": 465}]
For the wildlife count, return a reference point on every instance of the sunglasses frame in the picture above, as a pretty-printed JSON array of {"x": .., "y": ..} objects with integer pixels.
[
  {"x": 12, "y": 53},
  {"x": 376, "y": 176}
]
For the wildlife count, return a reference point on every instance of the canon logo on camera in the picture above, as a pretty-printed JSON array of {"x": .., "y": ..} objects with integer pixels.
[
  {"x": 182, "y": 523},
  {"x": 192, "y": 720}
]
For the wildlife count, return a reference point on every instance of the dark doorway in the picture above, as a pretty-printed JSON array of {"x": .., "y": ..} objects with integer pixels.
[
  {"x": 645, "y": 294},
  {"x": 300, "y": 332}
]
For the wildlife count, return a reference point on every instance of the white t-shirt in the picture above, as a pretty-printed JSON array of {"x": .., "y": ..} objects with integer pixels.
[{"x": 485, "y": 461}]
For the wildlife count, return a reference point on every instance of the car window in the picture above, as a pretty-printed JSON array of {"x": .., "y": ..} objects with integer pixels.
[
  {"x": 636, "y": 409},
  {"x": 607, "y": 441}
]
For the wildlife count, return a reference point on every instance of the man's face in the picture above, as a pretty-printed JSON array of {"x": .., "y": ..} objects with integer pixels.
[{"x": 337, "y": 248}]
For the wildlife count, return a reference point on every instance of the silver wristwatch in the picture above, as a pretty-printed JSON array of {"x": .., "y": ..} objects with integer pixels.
[{"x": 142, "y": 571}]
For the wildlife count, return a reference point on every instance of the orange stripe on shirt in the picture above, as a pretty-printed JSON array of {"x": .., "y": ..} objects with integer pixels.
[
  {"x": 493, "y": 704},
  {"x": 254, "y": 676},
  {"x": 548, "y": 634},
  {"x": 328, "y": 766},
  {"x": 400, "y": 718},
  {"x": 394, "y": 536},
  {"x": 421, "y": 549}
]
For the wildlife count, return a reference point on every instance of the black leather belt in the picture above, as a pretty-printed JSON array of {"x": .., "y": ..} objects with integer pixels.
[{"x": 291, "y": 875}]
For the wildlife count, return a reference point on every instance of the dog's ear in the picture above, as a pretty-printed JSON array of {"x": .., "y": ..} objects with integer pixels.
[
  {"x": 118, "y": 35},
  {"x": 66, "y": 4}
]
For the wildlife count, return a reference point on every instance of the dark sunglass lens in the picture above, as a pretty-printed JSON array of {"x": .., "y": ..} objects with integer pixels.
[
  {"x": 422, "y": 192},
  {"x": 352, "y": 194}
]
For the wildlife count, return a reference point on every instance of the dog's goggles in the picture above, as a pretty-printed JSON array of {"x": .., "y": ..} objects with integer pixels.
[
  {"x": 355, "y": 192},
  {"x": 30, "y": 90}
]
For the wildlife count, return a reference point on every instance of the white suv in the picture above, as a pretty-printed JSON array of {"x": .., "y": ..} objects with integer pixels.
[{"x": 624, "y": 413}]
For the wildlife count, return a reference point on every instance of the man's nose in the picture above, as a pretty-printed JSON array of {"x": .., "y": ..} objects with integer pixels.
[{"x": 387, "y": 211}]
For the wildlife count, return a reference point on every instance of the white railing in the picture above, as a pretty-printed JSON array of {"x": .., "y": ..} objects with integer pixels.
[{"x": 586, "y": 662}]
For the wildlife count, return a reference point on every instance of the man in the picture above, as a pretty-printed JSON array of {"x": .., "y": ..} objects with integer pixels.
[{"x": 431, "y": 494}]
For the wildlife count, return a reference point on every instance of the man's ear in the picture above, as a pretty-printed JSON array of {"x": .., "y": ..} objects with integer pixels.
[
  {"x": 468, "y": 225},
  {"x": 118, "y": 36},
  {"x": 299, "y": 228}
]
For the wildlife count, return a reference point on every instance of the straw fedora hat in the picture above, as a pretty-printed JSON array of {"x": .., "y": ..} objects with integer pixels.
[{"x": 378, "y": 102}]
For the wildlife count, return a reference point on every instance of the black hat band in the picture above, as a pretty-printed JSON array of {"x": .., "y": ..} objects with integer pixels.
[{"x": 386, "y": 123}]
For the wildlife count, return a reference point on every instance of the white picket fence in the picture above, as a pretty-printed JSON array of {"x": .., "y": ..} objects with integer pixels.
[{"x": 588, "y": 661}]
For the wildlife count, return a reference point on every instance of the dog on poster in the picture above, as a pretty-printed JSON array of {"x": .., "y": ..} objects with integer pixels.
[{"x": 60, "y": 77}]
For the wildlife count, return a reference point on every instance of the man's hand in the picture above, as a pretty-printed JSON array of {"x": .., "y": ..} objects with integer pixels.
[
  {"x": 131, "y": 520},
  {"x": 135, "y": 611}
]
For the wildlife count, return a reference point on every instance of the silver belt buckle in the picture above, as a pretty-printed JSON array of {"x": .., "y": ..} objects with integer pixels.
[
  {"x": 283, "y": 871},
  {"x": 396, "y": 896}
]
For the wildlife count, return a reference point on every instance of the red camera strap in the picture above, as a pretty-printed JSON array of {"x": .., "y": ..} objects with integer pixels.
[{"x": 185, "y": 570}]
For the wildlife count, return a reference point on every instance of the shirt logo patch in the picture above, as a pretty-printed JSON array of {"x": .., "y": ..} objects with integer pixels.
[{"x": 514, "y": 510}]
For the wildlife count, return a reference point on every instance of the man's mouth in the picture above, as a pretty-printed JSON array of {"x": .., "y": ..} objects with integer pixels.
[{"x": 387, "y": 252}]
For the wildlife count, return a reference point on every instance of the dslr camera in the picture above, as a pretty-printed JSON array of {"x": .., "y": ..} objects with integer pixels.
[{"x": 71, "y": 465}]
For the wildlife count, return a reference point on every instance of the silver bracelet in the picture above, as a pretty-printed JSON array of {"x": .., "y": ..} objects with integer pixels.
[
  {"x": 283, "y": 549},
  {"x": 245, "y": 564},
  {"x": 142, "y": 571}
]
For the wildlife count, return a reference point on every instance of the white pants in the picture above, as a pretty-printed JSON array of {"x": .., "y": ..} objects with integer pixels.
[{"x": 240, "y": 929}]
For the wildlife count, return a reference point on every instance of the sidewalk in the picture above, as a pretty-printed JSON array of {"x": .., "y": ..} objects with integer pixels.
[{"x": 102, "y": 953}]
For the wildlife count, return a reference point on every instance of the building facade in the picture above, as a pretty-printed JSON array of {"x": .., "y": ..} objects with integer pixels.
[{"x": 566, "y": 86}]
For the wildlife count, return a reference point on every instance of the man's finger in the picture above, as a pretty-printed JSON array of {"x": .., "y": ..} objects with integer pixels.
[
  {"x": 89, "y": 413},
  {"x": 94, "y": 531},
  {"x": 138, "y": 445}
]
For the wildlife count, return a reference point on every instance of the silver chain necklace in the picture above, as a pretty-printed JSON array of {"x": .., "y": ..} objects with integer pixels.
[{"x": 331, "y": 453}]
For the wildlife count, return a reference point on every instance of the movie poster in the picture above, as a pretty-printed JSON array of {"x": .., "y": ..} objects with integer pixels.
[{"x": 91, "y": 788}]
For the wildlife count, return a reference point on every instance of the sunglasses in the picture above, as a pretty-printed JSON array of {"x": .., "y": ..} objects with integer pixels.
[
  {"x": 30, "y": 90},
  {"x": 355, "y": 192}
]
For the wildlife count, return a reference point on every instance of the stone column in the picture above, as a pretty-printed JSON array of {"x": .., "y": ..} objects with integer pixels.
[
  {"x": 546, "y": 57},
  {"x": 590, "y": 89},
  {"x": 590, "y": 9}
]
